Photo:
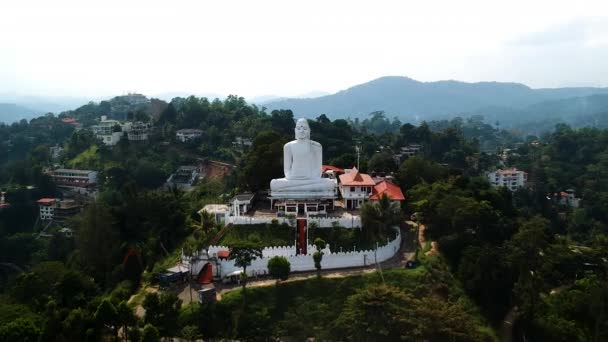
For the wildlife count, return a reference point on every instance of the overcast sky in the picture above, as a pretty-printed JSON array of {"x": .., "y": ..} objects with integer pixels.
[{"x": 253, "y": 48}]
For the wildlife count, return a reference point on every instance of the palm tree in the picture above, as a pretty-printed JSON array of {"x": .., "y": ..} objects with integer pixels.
[{"x": 378, "y": 217}]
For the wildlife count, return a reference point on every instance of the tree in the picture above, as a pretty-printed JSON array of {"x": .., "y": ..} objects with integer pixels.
[
  {"x": 385, "y": 313},
  {"x": 382, "y": 162},
  {"x": 317, "y": 256},
  {"x": 20, "y": 330},
  {"x": 263, "y": 161},
  {"x": 98, "y": 241},
  {"x": 377, "y": 217},
  {"x": 125, "y": 318},
  {"x": 162, "y": 312},
  {"x": 243, "y": 254},
  {"x": 150, "y": 334},
  {"x": 106, "y": 315},
  {"x": 190, "y": 333},
  {"x": 279, "y": 267},
  {"x": 417, "y": 169}
]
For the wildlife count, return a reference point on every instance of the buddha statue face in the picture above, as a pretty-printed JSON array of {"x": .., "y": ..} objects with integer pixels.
[{"x": 302, "y": 129}]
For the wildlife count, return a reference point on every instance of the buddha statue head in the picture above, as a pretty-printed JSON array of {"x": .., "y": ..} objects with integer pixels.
[{"x": 302, "y": 130}]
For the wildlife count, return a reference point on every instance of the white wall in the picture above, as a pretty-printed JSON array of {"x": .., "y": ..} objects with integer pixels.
[
  {"x": 322, "y": 222},
  {"x": 331, "y": 260}
]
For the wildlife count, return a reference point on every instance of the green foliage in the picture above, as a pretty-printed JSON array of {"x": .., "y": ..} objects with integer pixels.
[
  {"x": 386, "y": 313},
  {"x": 263, "y": 161},
  {"x": 162, "y": 312},
  {"x": 279, "y": 267},
  {"x": 243, "y": 254},
  {"x": 20, "y": 330},
  {"x": 270, "y": 234},
  {"x": 416, "y": 170},
  {"x": 150, "y": 334},
  {"x": 378, "y": 217}
]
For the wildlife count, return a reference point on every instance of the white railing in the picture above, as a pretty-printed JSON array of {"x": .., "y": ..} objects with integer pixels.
[{"x": 321, "y": 222}]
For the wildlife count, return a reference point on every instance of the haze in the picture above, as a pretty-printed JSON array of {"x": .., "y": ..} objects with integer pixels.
[{"x": 286, "y": 48}]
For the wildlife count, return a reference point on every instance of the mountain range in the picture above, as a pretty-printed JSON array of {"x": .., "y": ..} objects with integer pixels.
[
  {"x": 511, "y": 104},
  {"x": 411, "y": 100}
]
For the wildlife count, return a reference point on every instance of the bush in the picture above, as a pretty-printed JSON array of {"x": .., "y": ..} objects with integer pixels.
[{"x": 279, "y": 267}]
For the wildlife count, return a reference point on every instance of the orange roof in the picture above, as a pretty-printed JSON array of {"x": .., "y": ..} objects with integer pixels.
[
  {"x": 45, "y": 200},
  {"x": 325, "y": 168},
  {"x": 223, "y": 254},
  {"x": 391, "y": 190},
  {"x": 68, "y": 120},
  {"x": 356, "y": 178}
]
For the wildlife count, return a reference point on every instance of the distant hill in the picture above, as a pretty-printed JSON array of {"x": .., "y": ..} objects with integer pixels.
[
  {"x": 411, "y": 100},
  {"x": 10, "y": 112}
]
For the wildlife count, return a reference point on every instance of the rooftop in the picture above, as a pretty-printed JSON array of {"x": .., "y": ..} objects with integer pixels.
[
  {"x": 391, "y": 190},
  {"x": 45, "y": 201},
  {"x": 356, "y": 178},
  {"x": 325, "y": 168},
  {"x": 243, "y": 197},
  {"x": 215, "y": 208}
]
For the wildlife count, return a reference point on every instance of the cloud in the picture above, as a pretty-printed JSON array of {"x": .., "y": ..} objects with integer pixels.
[{"x": 582, "y": 31}]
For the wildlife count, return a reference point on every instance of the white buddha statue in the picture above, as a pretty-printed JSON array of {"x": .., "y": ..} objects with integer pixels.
[{"x": 302, "y": 160}]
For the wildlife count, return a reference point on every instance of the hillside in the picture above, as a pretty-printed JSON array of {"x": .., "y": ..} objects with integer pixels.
[{"x": 409, "y": 99}]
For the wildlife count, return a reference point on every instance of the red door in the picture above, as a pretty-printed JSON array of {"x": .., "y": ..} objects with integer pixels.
[{"x": 301, "y": 241}]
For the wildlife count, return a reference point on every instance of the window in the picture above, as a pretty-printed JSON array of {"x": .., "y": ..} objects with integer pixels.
[{"x": 352, "y": 189}]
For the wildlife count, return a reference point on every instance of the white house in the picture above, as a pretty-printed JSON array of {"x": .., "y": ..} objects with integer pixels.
[
  {"x": 512, "y": 179},
  {"x": 219, "y": 211},
  {"x": 241, "y": 204},
  {"x": 188, "y": 134},
  {"x": 138, "y": 131},
  {"x": 355, "y": 187},
  {"x": 109, "y": 131},
  {"x": 80, "y": 181},
  {"x": 58, "y": 210}
]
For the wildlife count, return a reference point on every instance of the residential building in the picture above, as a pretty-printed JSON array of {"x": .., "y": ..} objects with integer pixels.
[
  {"x": 241, "y": 204},
  {"x": 512, "y": 179},
  {"x": 72, "y": 122},
  {"x": 406, "y": 152},
  {"x": 52, "y": 209},
  {"x": 389, "y": 189},
  {"x": 3, "y": 203},
  {"x": 184, "y": 176},
  {"x": 138, "y": 131},
  {"x": 331, "y": 172},
  {"x": 568, "y": 198},
  {"x": 188, "y": 134},
  {"x": 355, "y": 187},
  {"x": 219, "y": 212},
  {"x": 79, "y": 181},
  {"x": 109, "y": 131},
  {"x": 56, "y": 151}
]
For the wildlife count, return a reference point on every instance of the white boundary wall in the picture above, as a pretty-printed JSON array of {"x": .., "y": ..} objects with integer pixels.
[
  {"x": 299, "y": 263},
  {"x": 322, "y": 222}
]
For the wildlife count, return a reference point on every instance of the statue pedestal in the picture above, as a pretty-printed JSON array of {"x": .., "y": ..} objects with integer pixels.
[{"x": 303, "y": 194}]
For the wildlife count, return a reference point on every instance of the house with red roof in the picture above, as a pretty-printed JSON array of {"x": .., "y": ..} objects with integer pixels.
[
  {"x": 355, "y": 187},
  {"x": 389, "y": 189}
]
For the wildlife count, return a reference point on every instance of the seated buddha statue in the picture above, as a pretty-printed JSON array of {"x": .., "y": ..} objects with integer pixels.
[{"x": 302, "y": 160}]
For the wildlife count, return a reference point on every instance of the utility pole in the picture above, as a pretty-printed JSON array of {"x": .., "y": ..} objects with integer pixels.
[{"x": 358, "y": 149}]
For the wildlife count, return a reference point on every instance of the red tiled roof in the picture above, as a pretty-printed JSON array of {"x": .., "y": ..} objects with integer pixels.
[
  {"x": 325, "y": 168},
  {"x": 391, "y": 190},
  {"x": 223, "y": 254},
  {"x": 45, "y": 200},
  {"x": 356, "y": 178}
]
